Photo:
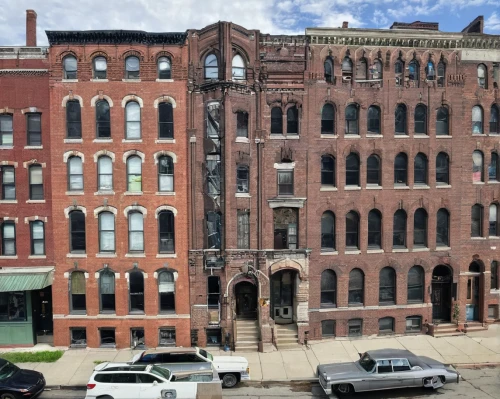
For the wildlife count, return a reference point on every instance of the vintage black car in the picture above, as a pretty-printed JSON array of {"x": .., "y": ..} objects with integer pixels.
[{"x": 16, "y": 383}]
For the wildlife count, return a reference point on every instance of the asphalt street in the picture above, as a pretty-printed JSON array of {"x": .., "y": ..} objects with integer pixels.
[{"x": 475, "y": 384}]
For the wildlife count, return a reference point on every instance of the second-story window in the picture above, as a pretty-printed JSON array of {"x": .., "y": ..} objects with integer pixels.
[
  {"x": 8, "y": 183},
  {"x": 165, "y": 121},
  {"x": 132, "y": 67},
  {"x": 37, "y": 237},
  {"x": 70, "y": 67},
  {"x": 100, "y": 67},
  {"x": 285, "y": 182},
  {"x": 166, "y": 232},
  {"x": 165, "y": 174},
  {"x": 73, "y": 120},
  {"x": 292, "y": 120},
  {"x": 36, "y": 182},
  {"x": 103, "y": 120},
  {"x": 164, "y": 68},
  {"x": 34, "y": 123},
  {"x": 242, "y": 179},
  {"x": 134, "y": 174},
  {"x": 75, "y": 174},
  {"x": 238, "y": 68},
  {"x": 6, "y": 131},
  {"x": 133, "y": 121}
]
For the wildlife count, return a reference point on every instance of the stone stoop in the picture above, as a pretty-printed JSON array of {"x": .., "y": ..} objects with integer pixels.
[
  {"x": 446, "y": 330},
  {"x": 473, "y": 326},
  {"x": 287, "y": 336},
  {"x": 247, "y": 336}
]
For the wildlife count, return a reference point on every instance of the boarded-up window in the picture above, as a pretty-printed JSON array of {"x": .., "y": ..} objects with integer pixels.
[{"x": 243, "y": 232}]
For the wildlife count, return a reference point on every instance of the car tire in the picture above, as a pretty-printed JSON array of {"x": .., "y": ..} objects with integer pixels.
[
  {"x": 8, "y": 396},
  {"x": 229, "y": 380},
  {"x": 105, "y": 397},
  {"x": 345, "y": 389}
]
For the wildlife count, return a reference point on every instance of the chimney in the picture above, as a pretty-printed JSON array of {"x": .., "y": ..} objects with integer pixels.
[
  {"x": 30, "y": 28},
  {"x": 345, "y": 24}
]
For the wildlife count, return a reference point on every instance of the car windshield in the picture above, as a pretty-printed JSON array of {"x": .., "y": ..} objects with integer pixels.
[
  {"x": 367, "y": 363},
  {"x": 8, "y": 370},
  {"x": 206, "y": 354},
  {"x": 161, "y": 372}
]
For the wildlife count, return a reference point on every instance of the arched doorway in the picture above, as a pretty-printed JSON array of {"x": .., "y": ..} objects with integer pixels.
[
  {"x": 246, "y": 300},
  {"x": 442, "y": 278},
  {"x": 282, "y": 294},
  {"x": 473, "y": 286}
]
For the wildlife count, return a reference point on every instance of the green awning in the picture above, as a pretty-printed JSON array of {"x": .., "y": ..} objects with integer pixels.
[{"x": 25, "y": 278}]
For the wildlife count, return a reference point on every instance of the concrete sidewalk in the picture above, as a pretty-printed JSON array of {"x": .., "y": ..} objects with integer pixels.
[{"x": 76, "y": 365}]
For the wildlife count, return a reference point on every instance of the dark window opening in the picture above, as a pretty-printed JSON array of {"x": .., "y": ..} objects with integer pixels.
[
  {"x": 400, "y": 119},
  {"x": 328, "y": 328},
  {"x": 374, "y": 229},
  {"x": 137, "y": 339},
  {"x": 13, "y": 306},
  {"x": 387, "y": 286},
  {"x": 164, "y": 68},
  {"x": 6, "y": 130},
  {"x": 73, "y": 120},
  {"x": 327, "y": 170},
  {"x": 476, "y": 221},
  {"x": 386, "y": 325},
  {"x": 355, "y": 328},
  {"x": 78, "y": 337},
  {"x": 36, "y": 182},
  {"x": 374, "y": 119},
  {"x": 328, "y": 70},
  {"x": 166, "y": 336},
  {"x": 373, "y": 172},
  {"x": 242, "y": 124},
  {"x": 213, "y": 292},
  {"x": 420, "y": 169},
  {"x": 214, "y": 337},
  {"x": 77, "y": 232},
  {"x": 352, "y": 170},
  {"x": 352, "y": 230},
  {"x": 443, "y": 228},
  {"x": 136, "y": 292},
  {"x": 242, "y": 179},
  {"x": 441, "y": 73},
  {"x": 493, "y": 221},
  {"x": 107, "y": 337},
  {"x": 165, "y": 121},
  {"x": 285, "y": 182},
  {"x": 285, "y": 228},
  {"x": 442, "y": 169},
  {"x": 356, "y": 287},
  {"x": 107, "y": 291},
  {"x": 494, "y": 120},
  {"x": 103, "y": 121},
  {"x": 328, "y": 232},
  {"x": 166, "y": 291},
  {"x": 213, "y": 230},
  {"x": 401, "y": 169},
  {"x": 166, "y": 230},
  {"x": 276, "y": 121},
  {"x": 78, "y": 292},
  {"x": 398, "y": 72},
  {"x": 442, "y": 122},
  {"x": 420, "y": 228},
  {"x": 351, "y": 119},
  {"x": 494, "y": 275},
  {"x": 292, "y": 120},
  {"x": 8, "y": 182},
  {"x": 420, "y": 119},
  {"x": 416, "y": 284},
  {"x": 328, "y": 289},
  {"x": 243, "y": 229},
  {"x": 328, "y": 119},
  {"x": 399, "y": 229},
  {"x": 34, "y": 124}
]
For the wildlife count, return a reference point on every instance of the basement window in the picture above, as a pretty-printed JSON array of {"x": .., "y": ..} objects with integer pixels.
[
  {"x": 166, "y": 336},
  {"x": 78, "y": 337},
  {"x": 214, "y": 337},
  {"x": 107, "y": 337},
  {"x": 137, "y": 338}
]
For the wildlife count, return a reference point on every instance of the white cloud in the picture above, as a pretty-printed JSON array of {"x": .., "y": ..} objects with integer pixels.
[
  {"x": 492, "y": 23},
  {"x": 379, "y": 19}
]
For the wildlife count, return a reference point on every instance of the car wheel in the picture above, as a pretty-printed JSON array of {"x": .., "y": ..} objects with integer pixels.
[
  {"x": 105, "y": 397},
  {"x": 345, "y": 389},
  {"x": 8, "y": 396},
  {"x": 229, "y": 380}
]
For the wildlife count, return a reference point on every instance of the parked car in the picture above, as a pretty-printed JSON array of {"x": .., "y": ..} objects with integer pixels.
[
  {"x": 231, "y": 369},
  {"x": 147, "y": 381},
  {"x": 384, "y": 369},
  {"x": 16, "y": 383}
]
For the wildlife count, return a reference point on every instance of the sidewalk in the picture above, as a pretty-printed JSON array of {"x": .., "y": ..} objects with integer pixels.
[{"x": 76, "y": 365}]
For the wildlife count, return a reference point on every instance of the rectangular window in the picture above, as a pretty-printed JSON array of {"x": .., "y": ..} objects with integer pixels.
[
  {"x": 213, "y": 293},
  {"x": 34, "y": 129},
  {"x": 36, "y": 182},
  {"x": 355, "y": 328},
  {"x": 492, "y": 312},
  {"x": 73, "y": 120},
  {"x": 107, "y": 337},
  {"x": 166, "y": 336},
  {"x": 213, "y": 173},
  {"x": 285, "y": 182},
  {"x": 37, "y": 238},
  {"x": 8, "y": 183},
  {"x": 12, "y": 306},
  {"x": 243, "y": 232},
  {"x": 8, "y": 236},
  {"x": 386, "y": 325},
  {"x": 328, "y": 328},
  {"x": 78, "y": 336},
  {"x": 241, "y": 124},
  {"x": 413, "y": 324},
  {"x": 137, "y": 339},
  {"x": 214, "y": 337},
  {"x": 6, "y": 131}
]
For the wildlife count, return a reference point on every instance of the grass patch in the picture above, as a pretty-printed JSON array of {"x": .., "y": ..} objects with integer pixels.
[
  {"x": 32, "y": 357},
  {"x": 96, "y": 362}
]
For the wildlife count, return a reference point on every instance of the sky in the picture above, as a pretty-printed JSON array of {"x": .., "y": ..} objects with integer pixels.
[{"x": 269, "y": 16}]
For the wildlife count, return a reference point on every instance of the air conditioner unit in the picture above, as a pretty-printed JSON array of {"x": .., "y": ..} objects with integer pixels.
[{"x": 214, "y": 262}]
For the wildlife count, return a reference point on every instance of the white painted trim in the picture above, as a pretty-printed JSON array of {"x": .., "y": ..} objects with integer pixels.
[
  {"x": 104, "y": 152},
  {"x": 104, "y": 97},
  {"x": 284, "y": 165},
  {"x": 139, "y": 208},
  {"x": 34, "y": 218},
  {"x": 158, "y": 154},
  {"x": 68, "y": 154},
  {"x": 165, "y": 99},
  {"x": 132, "y": 97},
  {"x": 75, "y": 97},
  {"x": 133, "y": 152},
  {"x": 165, "y": 208},
  {"x": 74, "y": 208},
  {"x": 103, "y": 208}
]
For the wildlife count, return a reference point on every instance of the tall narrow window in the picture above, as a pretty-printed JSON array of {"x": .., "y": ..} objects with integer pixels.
[
  {"x": 136, "y": 292},
  {"x": 34, "y": 123},
  {"x": 132, "y": 67},
  {"x": 100, "y": 67},
  {"x": 476, "y": 220},
  {"x": 352, "y": 230},
  {"x": 493, "y": 169},
  {"x": 243, "y": 229},
  {"x": 36, "y": 182},
  {"x": 70, "y": 67},
  {"x": 477, "y": 167},
  {"x": 78, "y": 292},
  {"x": 420, "y": 228},
  {"x": 361, "y": 69},
  {"x": 356, "y": 287},
  {"x": 327, "y": 170},
  {"x": 73, "y": 120},
  {"x": 352, "y": 170},
  {"x": 401, "y": 169},
  {"x": 399, "y": 229},
  {"x": 132, "y": 121},
  {"x": 276, "y": 121},
  {"x": 420, "y": 169},
  {"x": 241, "y": 124},
  {"x": 166, "y": 291},
  {"x": 441, "y": 70},
  {"x": 482, "y": 76},
  {"x": 416, "y": 284},
  {"x": 493, "y": 221},
  {"x": 374, "y": 229},
  {"x": 374, "y": 119},
  {"x": 166, "y": 229},
  {"x": 400, "y": 119},
  {"x": 398, "y": 72},
  {"x": 442, "y": 122},
  {"x": 134, "y": 174},
  {"x": 430, "y": 71},
  {"x": 213, "y": 230},
  {"x": 8, "y": 235},
  {"x": 107, "y": 291},
  {"x": 238, "y": 66},
  {"x": 443, "y": 228},
  {"x": 494, "y": 120},
  {"x": 328, "y": 119},
  {"x": 328, "y": 70},
  {"x": 327, "y": 232},
  {"x": 414, "y": 72},
  {"x": 165, "y": 121},
  {"x": 442, "y": 169},
  {"x": 421, "y": 119},
  {"x": 346, "y": 69},
  {"x": 135, "y": 232},
  {"x": 104, "y": 173},
  {"x": 213, "y": 292},
  {"x": 285, "y": 182},
  {"x": 373, "y": 172},
  {"x": 106, "y": 232},
  {"x": 328, "y": 289},
  {"x": 376, "y": 70},
  {"x": 211, "y": 67},
  {"x": 351, "y": 119},
  {"x": 8, "y": 183},
  {"x": 77, "y": 232},
  {"x": 292, "y": 120},
  {"x": 494, "y": 275},
  {"x": 165, "y": 174},
  {"x": 37, "y": 237},
  {"x": 6, "y": 130},
  {"x": 242, "y": 178},
  {"x": 477, "y": 120},
  {"x": 387, "y": 286},
  {"x": 213, "y": 173},
  {"x": 75, "y": 174},
  {"x": 164, "y": 68},
  {"x": 103, "y": 121}
]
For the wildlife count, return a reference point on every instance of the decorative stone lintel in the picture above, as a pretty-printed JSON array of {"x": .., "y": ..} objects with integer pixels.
[{"x": 292, "y": 202}]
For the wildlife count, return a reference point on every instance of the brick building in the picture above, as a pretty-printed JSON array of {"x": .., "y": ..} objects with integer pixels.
[
  {"x": 118, "y": 112},
  {"x": 26, "y": 250}
]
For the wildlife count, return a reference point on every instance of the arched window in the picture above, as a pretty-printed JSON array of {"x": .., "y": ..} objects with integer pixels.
[
  {"x": 104, "y": 173},
  {"x": 77, "y": 290},
  {"x": 374, "y": 229},
  {"x": 136, "y": 292},
  {"x": 493, "y": 169},
  {"x": 352, "y": 230},
  {"x": 420, "y": 228},
  {"x": 430, "y": 71},
  {"x": 211, "y": 67},
  {"x": 134, "y": 174},
  {"x": 414, "y": 71},
  {"x": 276, "y": 121},
  {"x": 346, "y": 68},
  {"x": 328, "y": 232},
  {"x": 77, "y": 232},
  {"x": 292, "y": 120},
  {"x": 328, "y": 289},
  {"x": 373, "y": 172},
  {"x": 70, "y": 67},
  {"x": 328, "y": 119},
  {"x": 398, "y": 72},
  {"x": 477, "y": 167},
  {"x": 376, "y": 70},
  {"x": 494, "y": 120},
  {"x": 442, "y": 169},
  {"x": 387, "y": 286},
  {"x": 165, "y": 121},
  {"x": 421, "y": 119},
  {"x": 477, "y": 119},
  {"x": 166, "y": 291},
  {"x": 416, "y": 285},
  {"x": 165, "y": 174},
  {"x": 374, "y": 119},
  {"x": 106, "y": 232},
  {"x": 400, "y": 119},
  {"x": 132, "y": 121},
  {"x": 166, "y": 231},
  {"x": 352, "y": 170},
  {"x": 477, "y": 220},
  {"x": 361, "y": 69},
  {"x": 482, "y": 76},
  {"x": 75, "y": 174},
  {"x": 164, "y": 68},
  {"x": 420, "y": 169},
  {"x": 351, "y": 119},
  {"x": 242, "y": 179},
  {"x": 494, "y": 275},
  {"x": 401, "y": 169},
  {"x": 327, "y": 170},
  {"x": 132, "y": 66},
  {"x": 6, "y": 131},
  {"x": 241, "y": 124},
  {"x": 328, "y": 68},
  {"x": 135, "y": 232},
  {"x": 37, "y": 229},
  {"x": 443, "y": 228},
  {"x": 356, "y": 287},
  {"x": 107, "y": 291},
  {"x": 441, "y": 73},
  {"x": 100, "y": 67},
  {"x": 8, "y": 184},
  {"x": 102, "y": 119},
  {"x": 386, "y": 326},
  {"x": 239, "y": 70},
  {"x": 73, "y": 120},
  {"x": 399, "y": 229},
  {"x": 493, "y": 221},
  {"x": 442, "y": 122},
  {"x": 36, "y": 182}
]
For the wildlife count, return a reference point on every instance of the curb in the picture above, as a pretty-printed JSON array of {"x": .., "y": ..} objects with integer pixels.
[{"x": 475, "y": 365}]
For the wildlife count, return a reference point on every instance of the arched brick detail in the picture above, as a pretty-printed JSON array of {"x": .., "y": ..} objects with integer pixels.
[
  {"x": 138, "y": 208},
  {"x": 9, "y": 163},
  {"x": 101, "y": 97},
  {"x": 104, "y": 152},
  {"x": 33, "y": 218},
  {"x": 71, "y": 97},
  {"x": 289, "y": 264},
  {"x": 74, "y": 208},
  {"x": 132, "y": 97},
  {"x": 130, "y": 53},
  {"x": 105, "y": 208},
  {"x": 134, "y": 152},
  {"x": 165, "y": 99},
  {"x": 99, "y": 53},
  {"x": 69, "y": 154},
  {"x": 165, "y": 208},
  {"x": 162, "y": 153}
]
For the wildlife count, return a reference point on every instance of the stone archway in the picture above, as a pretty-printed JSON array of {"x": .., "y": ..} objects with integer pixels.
[{"x": 245, "y": 293}]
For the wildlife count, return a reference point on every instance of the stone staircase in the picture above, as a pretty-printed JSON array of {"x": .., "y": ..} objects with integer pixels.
[
  {"x": 287, "y": 336},
  {"x": 247, "y": 336},
  {"x": 472, "y": 326},
  {"x": 446, "y": 330}
]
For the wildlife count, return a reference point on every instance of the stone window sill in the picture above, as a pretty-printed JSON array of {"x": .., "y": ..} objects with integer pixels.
[
  {"x": 375, "y": 251},
  {"x": 326, "y": 253},
  {"x": 352, "y": 136},
  {"x": 443, "y": 186},
  {"x": 421, "y": 187},
  {"x": 99, "y": 80},
  {"x": 73, "y": 141},
  {"x": 75, "y": 193},
  {"x": 132, "y": 193},
  {"x": 352, "y": 188},
  {"x": 478, "y": 182},
  {"x": 105, "y": 255},
  {"x": 132, "y": 80},
  {"x": 165, "y": 80},
  {"x": 245, "y": 140},
  {"x": 401, "y": 136},
  {"x": 374, "y": 136},
  {"x": 493, "y": 182},
  {"x": 328, "y": 188},
  {"x": 242, "y": 195},
  {"x": 131, "y": 140},
  {"x": 443, "y": 248},
  {"x": 102, "y": 140},
  {"x": 420, "y": 136},
  {"x": 8, "y": 201},
  {"x": 37, "y": 257},
  {"x": 329, "y": 136},
  {"x": 478, "y": 238},
  {"x": 8, "y": 257},
  {"x": 493, "y": 237},
  {"x": 352, "y": 252},
  {"x": 76, "y": 255},
  {"x": 444, "y": 137},
  {"x": 165, "y": 141},
  {"x": 35, "y": 201},
  {"x": 104, "y": 193},
  {"x": 33, "y": 147},
  {"x": 420, "y": 250},
  {"x": 6, "y": 147},
  {"x": 141, "y": 255},
  {"x": 398, "y": 187},
  {"x": 166, "y": 255},
  {"x": 169, "y": 193},
  {"x": 373, "y": 187},
  {"x": 396, "y": 250},
  {"x": 69, "y": 80},
  {"x": 283, "y": 137}
]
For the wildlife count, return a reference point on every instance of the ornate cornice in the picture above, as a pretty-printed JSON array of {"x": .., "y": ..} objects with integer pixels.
[
  {"x": 115, "y": 37},
  {"x": 24, "y": 72}
]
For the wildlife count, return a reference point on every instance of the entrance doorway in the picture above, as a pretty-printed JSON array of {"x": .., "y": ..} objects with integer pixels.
[
  {"x": 42, "y": 315},
  {"x": 442, "y": 279},
  {"x": 472, "y": 305},
  {"x": 246, "y": 300},
  {"x": 282, "y": 293}
]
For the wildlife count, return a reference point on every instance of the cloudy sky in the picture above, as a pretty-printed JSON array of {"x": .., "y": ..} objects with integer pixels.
[{"x": 270, "y": 16}]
